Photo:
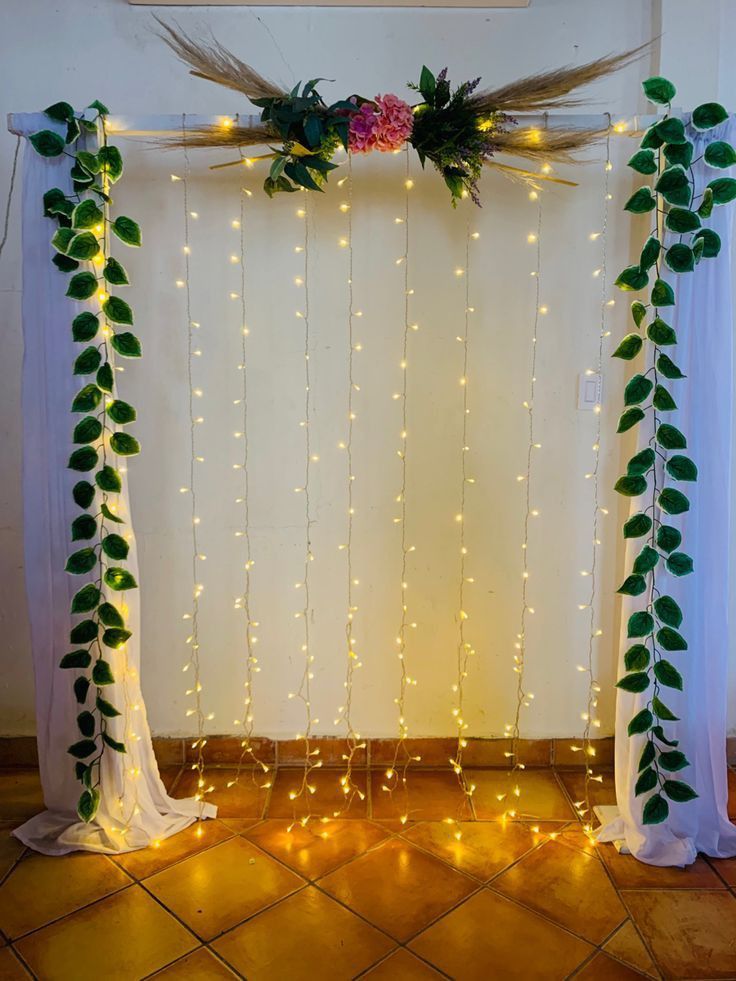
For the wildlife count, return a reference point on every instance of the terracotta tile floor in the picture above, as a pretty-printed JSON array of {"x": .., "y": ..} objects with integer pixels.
[{"x": 363, "y": 895}]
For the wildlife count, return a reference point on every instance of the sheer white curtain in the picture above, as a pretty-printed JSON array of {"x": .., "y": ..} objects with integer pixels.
[
  {"x": 703, "y": 319},
  {"x": 135, "y": 809}
]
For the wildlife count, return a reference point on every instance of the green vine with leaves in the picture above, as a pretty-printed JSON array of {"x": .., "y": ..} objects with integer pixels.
[
  {"x": 665, "y": 154},
  {"x": 82, "y": 245}
]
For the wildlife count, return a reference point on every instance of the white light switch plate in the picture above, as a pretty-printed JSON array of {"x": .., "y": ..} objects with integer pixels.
[{"x": 590, "y": 391}]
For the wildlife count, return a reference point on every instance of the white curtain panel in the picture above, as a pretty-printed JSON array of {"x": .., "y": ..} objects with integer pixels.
[
  {"x": 134, "y": 809},
  {"x": 703, "y": 319}
]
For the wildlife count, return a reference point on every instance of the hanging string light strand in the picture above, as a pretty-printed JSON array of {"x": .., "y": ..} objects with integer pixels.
[
  {"x": 349, "y": 787},
  {"x": 192, "y": 666},
  {"x": 396, "y": 774},
  {"x": 589, "y": 715},
  {"x": 259, "y": 770},
  {"x": 523, "y": 697},
  {"x": 464, "y": 648},
  {"x": 302, "y": 793}
]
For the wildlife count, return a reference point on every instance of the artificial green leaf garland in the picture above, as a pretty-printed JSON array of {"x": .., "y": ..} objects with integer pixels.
[
  {"x": 654, "y": 632},
  {"x": 81, "y": 244}
]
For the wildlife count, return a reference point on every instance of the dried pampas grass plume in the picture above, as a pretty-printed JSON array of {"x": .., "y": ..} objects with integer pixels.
[
  {"x": 547, "y": 145},
  {"x": 551, "y": 90},
  {"x": 215, "y": 63}
]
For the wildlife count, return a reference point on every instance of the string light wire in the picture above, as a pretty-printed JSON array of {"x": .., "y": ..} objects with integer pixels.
[
  {"x": 396, "y": 774},
  {"x": 589, "y": 715},
  {"x": 193, "y": 664},
  {"x": 258, "y": 769},
  {"x": 303, "y": 792},
  {"x": 464, "y": 648},
  {"x": 349, "y": 787},
  {"x": 523, "y": 697}
]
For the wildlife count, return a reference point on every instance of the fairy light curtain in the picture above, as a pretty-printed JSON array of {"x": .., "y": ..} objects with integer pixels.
[{"x": 135, "y": 810}]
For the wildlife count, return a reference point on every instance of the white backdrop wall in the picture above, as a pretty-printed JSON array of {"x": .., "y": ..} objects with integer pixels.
[{"x": 365, "y": 51}]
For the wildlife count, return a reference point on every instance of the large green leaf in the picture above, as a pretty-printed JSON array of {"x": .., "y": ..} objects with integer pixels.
[
  {"x": 673, "y": 501},
  {"x": 86, "y": 723},
  {"x": 708, "y": 115},
  {"x": 724, "y": 190},
  {"x": 670, "y": 437},
  {"x": 636, "y": 657},
  {"x": 668, "y": 611},
  {"x": 115, "y": 637},
  {"x": 679, "y": 153},
  {"x": 88, "y": 430},
  {"x": 643, "y": 162},
  {"x": 83, "y": 749},
  {"x": 117, "y": 311},
  {"x": 85, "y": 599},
  {"x": 656, "y": 810},
  {"x": 674, "y": 186},
  {"x": 662, "y": 294},
  {"x": 720, "y": 154},
  {"x": 662, "y": 400},
  {"x": 124, "y": 444},
  {"x": 679, "y": 791},
  {"x": 682, "y": 468},
  {"x": 638, "y": 312},
  {"x": 110, "y": 615},
  {"x": 108, "y": 479},
  {"x": 661, "y": 333},
  {"x": 679, "y": 258},
  {"x": 121, "y": 412},
  {"x": 667, "y": 674},
  {"x": 111, "y": 162},
  {"x": 75, "y": 659},
  {"x": 647, "y": 780},
  {"x": 87, "y": 214},
  {"x": 629, "y": 347},
  {"x": 662, "y": 711},
  {"x": 84, "y": 459},
  {"x": 711, "y": 242},
  {"x": 632, "y": 586},
  {"x": 679, "y": 564},
  {"x": 641, "y": 624},
  {"x": 85, "y": 326},
  {"x": 88, "y": 804},
  {"x": 127, "y": 344},
  {"x": 637, "y": 390},
  {"x": 632, "y": 278},
  {"x": 671, "y": 130},
  {"x": 120, "y": 579},
  {"x": 682, "y": 220},
  {"x": 88, "y": 361},
  {"x": 636, "y": 682},
  {"x": 115, "y": 546},
  {"x": 81, "y": 286},
  {"x": 630, "y": 485},
  {"x": 650, "y": 253},
  {"x": 105, "y": 378},
  {"x": 106, "y": 708},
  {"x": 114, "y": 273},
  {"x": 658, "y": 89},
  {"x": 641, "y": 201},
  {"x": 127, "y": 230},
  {"x": 641, "y": 722},
  {"x": 81, "y": 561},
  {"x": 629, "y": 417},
  {"x": 47, "y": 143},
  {"x": 637, "y": 525},
  {"x": 84, "y": 527},
  {"x": 646, "y": 560},
  {"x": 667, "y": 367},
  {"x": 668, "y": 538},
  {"x": 102, "y": 673},
  {"x": 83, "y": 493},
  {"x": 671, "y": 640}
]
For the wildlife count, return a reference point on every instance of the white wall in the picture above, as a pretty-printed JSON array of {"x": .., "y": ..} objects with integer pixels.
[{"x": 365, "y": 51}]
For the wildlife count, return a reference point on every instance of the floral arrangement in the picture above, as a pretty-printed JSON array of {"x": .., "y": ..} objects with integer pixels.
[{"x": 458, "y": 131}]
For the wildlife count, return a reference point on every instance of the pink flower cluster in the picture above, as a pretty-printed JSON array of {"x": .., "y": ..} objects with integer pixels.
[{"x": 384, "y": 125}]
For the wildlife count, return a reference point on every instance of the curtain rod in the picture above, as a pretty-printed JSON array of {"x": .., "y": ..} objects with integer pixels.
[{"x": 24, "y": 123}]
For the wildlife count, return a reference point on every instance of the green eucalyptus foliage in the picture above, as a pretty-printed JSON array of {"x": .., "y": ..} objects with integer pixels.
[
  {"x": 82, "y": 231},
  {"x": 665, "y": 155}
]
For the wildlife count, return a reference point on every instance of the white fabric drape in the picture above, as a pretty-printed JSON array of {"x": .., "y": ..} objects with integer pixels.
[
  {"x": 135, "y": 809},
  {"x": 703, "y": 319}
]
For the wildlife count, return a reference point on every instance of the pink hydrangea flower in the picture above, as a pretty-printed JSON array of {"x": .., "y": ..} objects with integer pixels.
[{"x": 384, "y": 126}]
